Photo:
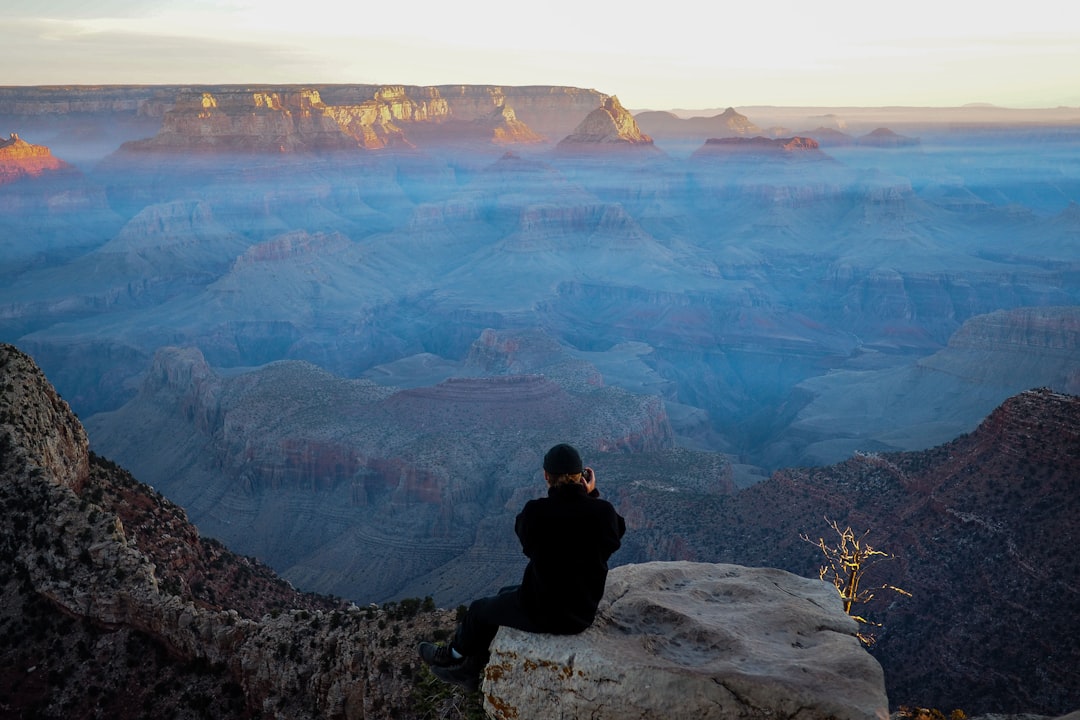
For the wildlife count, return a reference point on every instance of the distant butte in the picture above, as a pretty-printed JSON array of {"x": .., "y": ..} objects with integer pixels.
[
  {"x": 609, "y": 127},
  {"x": 729, "y": 123},
  {"x": 307, "y": 119},
  {"x": 792, "y": 147},
  {"x": 886, "y": 138},
  {"x": 19, "y": 159}
]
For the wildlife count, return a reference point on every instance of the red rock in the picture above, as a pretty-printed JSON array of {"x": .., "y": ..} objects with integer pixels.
[
  {"x": 19, "y": 159},
  {"x": 761, "y": 146}
]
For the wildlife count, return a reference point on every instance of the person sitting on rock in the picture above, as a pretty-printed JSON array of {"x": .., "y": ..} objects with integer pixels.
[{"x": 568, "y": 537}]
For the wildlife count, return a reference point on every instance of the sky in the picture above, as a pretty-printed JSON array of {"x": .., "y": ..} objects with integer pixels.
[{"x": 665, "y": 55}]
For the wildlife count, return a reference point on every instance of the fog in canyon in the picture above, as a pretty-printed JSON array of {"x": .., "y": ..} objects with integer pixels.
[{"x": 345, "y": 352}]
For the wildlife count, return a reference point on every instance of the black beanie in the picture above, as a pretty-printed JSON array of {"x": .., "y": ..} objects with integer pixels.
[{"x": 562, "y": 459}]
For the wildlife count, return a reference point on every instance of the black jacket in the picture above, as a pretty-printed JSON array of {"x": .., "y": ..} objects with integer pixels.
[{"x": 568, "y": 537}]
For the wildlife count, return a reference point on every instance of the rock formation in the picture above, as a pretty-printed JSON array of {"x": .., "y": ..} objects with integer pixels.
[
  {"x": 290, "y": 119},
  {"x": 692, "y": 640},
  {"x": 972, "y": 528},
  {"x": 666, "y": 125},
  {"x": 113, "y": 605},
  {"x": 830, "y": 137},
  {"x": 499, "y": 127},
  {"x": 19, "y": 159},
  {"x": 416, "y": 468},
  {"x": 610, "y": 126},
  {"x": 549, "y": 110},
  {"x": 506, "y": 129},
  {"x": 990, "y": 356},
  {"x": 885, "y": 138},
  {"x": 113, "y": 602},
  {"x": 242, "y": 121},
  {"x": 801, "y": 148}
]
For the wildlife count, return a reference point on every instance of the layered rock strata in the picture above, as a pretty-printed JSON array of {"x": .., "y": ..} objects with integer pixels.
[
  {"x": 247, "y": 121},
  {"x": 610, "y": 126},
  {"x": 791, "y": 147},
  {"x": 19, "y": 159}
]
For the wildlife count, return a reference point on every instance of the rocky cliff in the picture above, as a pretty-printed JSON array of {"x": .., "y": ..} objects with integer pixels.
[
  {"x": 316, "y": 118},
  {"x": 609, "y": 127},
  {"x": 989, "y": 357},
  {"x": 239, "y": 121},
  {"x": 974, "y": 531},
  {"x": 19, "y": 159},
  {"x": 114, "y": 606},
  {"x": 550, "y": 111}
]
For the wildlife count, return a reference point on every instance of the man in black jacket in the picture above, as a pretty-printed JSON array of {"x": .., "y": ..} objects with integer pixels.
[{"x": 568, "y": 537}]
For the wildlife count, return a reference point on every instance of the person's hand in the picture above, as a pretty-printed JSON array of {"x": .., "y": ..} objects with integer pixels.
[{"x": 588, "y": 479}]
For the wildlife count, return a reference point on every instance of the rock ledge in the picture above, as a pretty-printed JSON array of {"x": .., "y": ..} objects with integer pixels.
[{"x": 681, "y": 639}]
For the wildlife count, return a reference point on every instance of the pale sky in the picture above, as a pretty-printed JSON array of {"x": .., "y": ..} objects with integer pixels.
[{"x": 663, "y": 55}]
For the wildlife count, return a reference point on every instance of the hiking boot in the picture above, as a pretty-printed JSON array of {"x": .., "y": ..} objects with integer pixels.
[
  {"x": 439, "y": 656},
  {"x": 465, "y": 675}
]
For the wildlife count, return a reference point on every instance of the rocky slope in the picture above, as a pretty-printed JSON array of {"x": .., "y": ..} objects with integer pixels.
[
  {"x": 903, "y": 408},
  {"x": 977, "y": 531},
  {"x": 101, "y": 568},
  {"x": 369, "y": 488},
  {"x": 115, "y": 607}
]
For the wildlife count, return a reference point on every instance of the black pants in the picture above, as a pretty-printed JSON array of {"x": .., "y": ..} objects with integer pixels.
[{"x": 484, "y": 617}]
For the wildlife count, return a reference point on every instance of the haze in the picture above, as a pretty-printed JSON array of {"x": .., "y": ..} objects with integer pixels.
[{"x": 681, "y": 54}]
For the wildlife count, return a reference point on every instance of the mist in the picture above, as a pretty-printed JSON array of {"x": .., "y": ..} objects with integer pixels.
[{"x": 746, "y": 286}]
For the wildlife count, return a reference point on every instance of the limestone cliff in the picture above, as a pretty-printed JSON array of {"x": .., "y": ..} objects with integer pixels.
[
  {"x": 500, "y": 126},
  {"x": 610, "y": 126},
  {"x": 19, "y": 159},
  {"x": 80, "y": 99},
  {"x": 508, "y": 130},
  {"x": 230, "y": 121},
  {"x": 291, "y": 118}
]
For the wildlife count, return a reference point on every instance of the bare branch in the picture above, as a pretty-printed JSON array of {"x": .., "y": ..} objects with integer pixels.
[{"x": 845, "y": 564}]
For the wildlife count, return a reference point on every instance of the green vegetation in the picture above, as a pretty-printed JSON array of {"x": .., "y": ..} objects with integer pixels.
[{"x": 433, "y": 699}]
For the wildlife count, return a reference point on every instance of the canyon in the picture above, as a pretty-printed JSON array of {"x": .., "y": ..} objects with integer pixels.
[{"x": 339, "y": 325}]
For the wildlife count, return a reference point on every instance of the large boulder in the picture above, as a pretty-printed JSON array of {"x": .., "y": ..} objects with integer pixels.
[{"x": 693, "y": 640}]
